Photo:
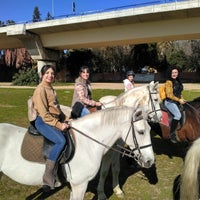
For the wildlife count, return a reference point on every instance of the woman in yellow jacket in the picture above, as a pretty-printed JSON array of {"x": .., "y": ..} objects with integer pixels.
[{"x": 174, "y": 98}]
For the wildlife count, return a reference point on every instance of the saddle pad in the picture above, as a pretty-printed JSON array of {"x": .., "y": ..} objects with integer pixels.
[
  {"x": 32, "y": 148},
  {"x": 165, "y": 118}
]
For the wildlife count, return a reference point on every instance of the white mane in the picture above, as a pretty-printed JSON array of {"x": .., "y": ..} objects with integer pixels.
[{"x": 105, "y": 117}]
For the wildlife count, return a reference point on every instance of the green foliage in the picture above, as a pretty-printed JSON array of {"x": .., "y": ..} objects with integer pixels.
[
  {"x": 178, "y": 58},
  {"x": 26, "y": 77},
  {"x": 36, "y": 15}
]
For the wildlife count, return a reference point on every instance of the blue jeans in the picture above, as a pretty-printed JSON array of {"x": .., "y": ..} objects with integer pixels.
[
  {"x": 173, "y": 108},
  {"x": 84, "y": 112},
  {"x": 52, "y": 134}
]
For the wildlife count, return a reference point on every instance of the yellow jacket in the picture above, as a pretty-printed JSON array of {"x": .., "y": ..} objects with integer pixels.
[{"x": 169, "y": 91}]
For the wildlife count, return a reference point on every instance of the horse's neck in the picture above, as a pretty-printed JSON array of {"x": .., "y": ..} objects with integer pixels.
[{"x": 103, "y": 128}]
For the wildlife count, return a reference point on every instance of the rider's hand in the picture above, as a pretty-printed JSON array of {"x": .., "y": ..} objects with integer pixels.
[
  {"x": 64, "y": 126},
  {"x": 182, "y": 101},
  {"x": 98, "y": 103}
]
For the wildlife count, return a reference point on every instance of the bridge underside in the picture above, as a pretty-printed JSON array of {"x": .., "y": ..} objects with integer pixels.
[{"x": 166, "y": 22}]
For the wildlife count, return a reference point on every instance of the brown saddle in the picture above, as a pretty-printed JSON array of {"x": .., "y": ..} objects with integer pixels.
[{"x": 36, "y": 148}]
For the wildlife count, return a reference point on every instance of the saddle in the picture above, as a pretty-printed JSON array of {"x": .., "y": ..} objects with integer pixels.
[
  {"x": 167, "y": 116},
  {"x": 36, "y": 148}
]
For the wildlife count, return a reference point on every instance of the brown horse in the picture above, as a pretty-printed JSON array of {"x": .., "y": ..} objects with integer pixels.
[{"x": 188, "y": 131}]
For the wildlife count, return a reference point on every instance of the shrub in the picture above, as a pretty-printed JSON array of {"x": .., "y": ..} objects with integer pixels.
[{"x": 26, "y": 77}]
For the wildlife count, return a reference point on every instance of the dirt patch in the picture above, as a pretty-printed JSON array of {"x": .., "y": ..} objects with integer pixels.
[{"x": 95, "y": 85}]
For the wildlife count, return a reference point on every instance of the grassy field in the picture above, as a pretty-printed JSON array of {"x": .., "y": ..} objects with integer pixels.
[{"x": 136, "y": 183}]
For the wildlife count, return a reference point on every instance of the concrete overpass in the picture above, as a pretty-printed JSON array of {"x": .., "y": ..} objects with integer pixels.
[{"x": 154, "y": 23}]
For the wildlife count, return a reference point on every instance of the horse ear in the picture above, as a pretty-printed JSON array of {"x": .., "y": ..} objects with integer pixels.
[
  {"x": 156, "y": 84},
  {"x": 153, "y": 85}
]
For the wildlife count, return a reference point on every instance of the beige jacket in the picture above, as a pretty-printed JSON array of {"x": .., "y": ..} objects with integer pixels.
[{"x": 46, "y": 104}]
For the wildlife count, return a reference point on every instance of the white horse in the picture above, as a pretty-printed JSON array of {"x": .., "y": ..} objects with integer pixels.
[
  {"x": 94, "y": 134},
  {"x": 189, "y": 181},
  {"x": 146, "y": 97}
]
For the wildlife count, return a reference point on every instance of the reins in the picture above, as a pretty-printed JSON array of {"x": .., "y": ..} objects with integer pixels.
[
  {"x": 154, "y": 110},
  {"x": 192, "y": 107},
  {"x": 126, "y": 151}
]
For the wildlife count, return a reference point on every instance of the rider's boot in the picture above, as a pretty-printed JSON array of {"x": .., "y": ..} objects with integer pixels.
[
  {"x": 173, "y": 127},
  {"x": 49, "y": 175}
]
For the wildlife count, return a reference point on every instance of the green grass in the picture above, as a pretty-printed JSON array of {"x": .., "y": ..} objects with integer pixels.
[{"x": 13, "y": 109}]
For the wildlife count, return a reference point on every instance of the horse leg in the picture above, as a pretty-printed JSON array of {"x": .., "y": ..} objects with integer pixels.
[
  {"x": 78, "y": 191},
  {"x": 115, "y": 173},
  {"x": 1, "y": 174},
  {"x": 105, "y": 166}
]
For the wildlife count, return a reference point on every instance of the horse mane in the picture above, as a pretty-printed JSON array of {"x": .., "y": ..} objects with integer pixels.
[
  {"x": 192, "y": 109},
  {"x": 106, "y": 116},
  {"x": 189, "y": 187},
  {"x": 193, "y": 106},
  {"x": 135, "y": 89},
  {"x": 116, "y": 113}
]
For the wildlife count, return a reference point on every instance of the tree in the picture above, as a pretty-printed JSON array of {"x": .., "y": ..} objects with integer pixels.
[
  {"x": 1, "y": 23},
  {"x": 49, "y": 17},
  {"x": 36, "y": 15},
  {"x": 178, "y": 58},
  {"x": 10, "y": 22},
  {"x": 194, "y": 58}
]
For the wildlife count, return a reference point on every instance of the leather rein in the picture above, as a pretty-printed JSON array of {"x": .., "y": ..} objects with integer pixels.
[
  {"x": 153, "y": 106},
  {"x": 126, "y": 151}
]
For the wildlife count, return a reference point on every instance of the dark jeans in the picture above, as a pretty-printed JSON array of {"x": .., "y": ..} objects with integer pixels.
[{"x": 54, "y": 135}]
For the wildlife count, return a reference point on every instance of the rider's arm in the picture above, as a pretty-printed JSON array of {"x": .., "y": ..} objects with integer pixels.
[
  {"x": 44, "y": 103},
  {"x": 169, "y": 91},
  {"x": 81, "y": 95}
]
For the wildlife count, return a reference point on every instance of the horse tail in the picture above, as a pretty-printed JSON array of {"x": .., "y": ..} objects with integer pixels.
[{"x": 189, "y": 185}]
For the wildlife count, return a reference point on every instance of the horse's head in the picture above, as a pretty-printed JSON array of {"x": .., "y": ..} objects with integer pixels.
[
  {"x": 151, "y": 102},
  {"x": 146, "y": 97},
  {"x": 139, "y": 140}
]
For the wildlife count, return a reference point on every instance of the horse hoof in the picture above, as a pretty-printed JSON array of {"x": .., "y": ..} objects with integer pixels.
[
  {"x": 120, "y": 196},
  {"x": 46, "y": 188},
  {"x": 118, "y": 192},
  {"x": 57, "y": 184}
]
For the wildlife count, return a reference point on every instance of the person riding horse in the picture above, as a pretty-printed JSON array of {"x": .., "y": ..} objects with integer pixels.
[
  {"x": 50, "y": 122},
  {"x": 174, "y": 99}
]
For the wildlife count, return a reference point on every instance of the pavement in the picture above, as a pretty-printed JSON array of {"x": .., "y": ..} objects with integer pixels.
[{"x": 95, "y": 85}]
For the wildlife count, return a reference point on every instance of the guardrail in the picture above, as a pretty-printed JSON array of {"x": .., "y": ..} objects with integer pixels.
[{"x": 135, "y": 5}]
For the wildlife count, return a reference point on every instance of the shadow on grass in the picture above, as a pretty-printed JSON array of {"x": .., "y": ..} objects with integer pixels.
[
  {"x": 166, "y": 147},
  {"x": 127, "y": 169},
  {"x": 40, "y": 195}
]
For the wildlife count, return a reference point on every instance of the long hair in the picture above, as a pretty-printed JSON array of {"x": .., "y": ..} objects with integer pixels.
[
  {"x": 44, "y": 69},
  {"x": 169, "y": 73},
  {"x": 83, "y": 68}
]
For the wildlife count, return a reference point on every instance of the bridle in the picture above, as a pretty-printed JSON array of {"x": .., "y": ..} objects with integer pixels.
[
  {"x": 154, "y": 110},
  {"x": 124, "y": 150}
]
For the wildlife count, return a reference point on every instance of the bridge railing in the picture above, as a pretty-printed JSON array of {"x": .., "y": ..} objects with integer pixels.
[{"x": 135, "y": 5}]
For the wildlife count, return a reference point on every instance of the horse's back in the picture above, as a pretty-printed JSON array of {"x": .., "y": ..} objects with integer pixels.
[
  {"x": 6, "y": 128},
  {"x": 66, "y": 110},
  {"x": 11, "y": 137},
  {"x": 107, "y": 99}
]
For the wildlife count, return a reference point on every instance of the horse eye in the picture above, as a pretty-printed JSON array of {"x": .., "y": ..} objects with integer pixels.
[{"x": 141, "y": 132}]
